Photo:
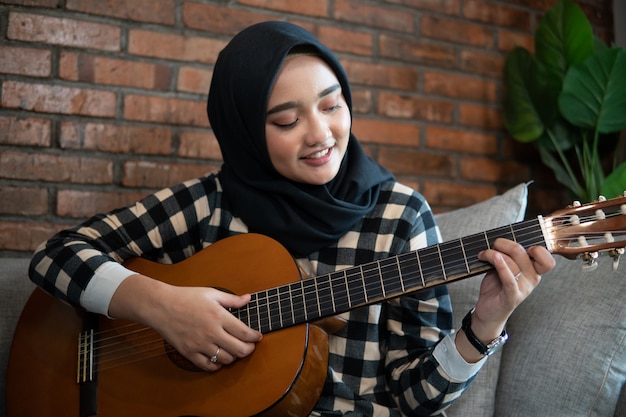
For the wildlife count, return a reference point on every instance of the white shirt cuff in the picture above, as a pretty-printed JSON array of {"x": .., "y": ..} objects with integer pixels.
[
  {"x": 100, "y": 290},
  {"x": 452, "y": 362}
]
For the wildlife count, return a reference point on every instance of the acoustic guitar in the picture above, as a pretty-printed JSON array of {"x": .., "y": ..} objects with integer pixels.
[{"x": 67, "y": 363}]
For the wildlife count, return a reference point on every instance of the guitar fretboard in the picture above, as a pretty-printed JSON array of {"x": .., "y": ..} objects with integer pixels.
[{"x": 337, "y": 292}]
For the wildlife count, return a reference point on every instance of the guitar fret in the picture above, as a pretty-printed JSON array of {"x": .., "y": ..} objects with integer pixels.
[
  {"x": 467, "y": 268},
  {"x": 430, "y": 256},
  {"x": 391, "y": 283},
  {"x": 355, "y": 288},
  {"x": 419, "y": 265},
  {"x": 274, "y": 321},
  {"x": 345, "y": 277},
  {"x": 339, "y": 289},
  {"x": 325, "y": 296},
  {"x": 298, "y": 311},
  {"x": 317, "y": 299},
  {"x": 400, "y": 274},
  {"x": 311, "y": 303},
  {"x": 443, "y": 268},
  {"x": 363, "y": 283},
  {"x": 280, "y": 308},
  {"x": 410, "y": 272}
]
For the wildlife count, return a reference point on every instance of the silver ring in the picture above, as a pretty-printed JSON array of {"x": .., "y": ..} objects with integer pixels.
[
  {"x": 213, "y": 358},
  {"x": 519, "y": 274}
]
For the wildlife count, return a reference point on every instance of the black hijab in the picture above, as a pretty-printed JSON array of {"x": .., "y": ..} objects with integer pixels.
[{"x": 302, "y": 217}]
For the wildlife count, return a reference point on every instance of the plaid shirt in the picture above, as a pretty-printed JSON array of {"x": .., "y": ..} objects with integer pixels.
[{"x": 380, "y": 364}]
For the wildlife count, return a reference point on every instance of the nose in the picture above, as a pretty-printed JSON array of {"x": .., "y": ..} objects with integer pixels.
[{"x": 318, "y": 129}]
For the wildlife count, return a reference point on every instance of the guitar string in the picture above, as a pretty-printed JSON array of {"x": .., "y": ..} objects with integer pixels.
[
  {"x": 296, "y": 306},
  {"x": 106, "y": 351},
  {"x": 357, "y": 275}
]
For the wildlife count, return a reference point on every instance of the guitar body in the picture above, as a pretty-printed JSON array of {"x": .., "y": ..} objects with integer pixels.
[{"x": 283, "y": 376}]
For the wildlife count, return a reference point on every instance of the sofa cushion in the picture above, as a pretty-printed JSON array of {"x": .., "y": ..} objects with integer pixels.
[
  {"x": 15, "y": 287},
  {"x": 567, "y": 352},
  {"x": 500, "y": 210}
]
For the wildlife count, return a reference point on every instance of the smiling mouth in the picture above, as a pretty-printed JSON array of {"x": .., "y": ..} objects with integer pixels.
[{"x": 319, "y": 154}]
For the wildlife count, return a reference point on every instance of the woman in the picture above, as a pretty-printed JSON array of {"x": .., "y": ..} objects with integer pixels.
[{"x": 280, "y": 107}]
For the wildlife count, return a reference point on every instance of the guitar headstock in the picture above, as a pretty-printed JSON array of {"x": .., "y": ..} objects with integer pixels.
[{"x": 588, "y": 230}]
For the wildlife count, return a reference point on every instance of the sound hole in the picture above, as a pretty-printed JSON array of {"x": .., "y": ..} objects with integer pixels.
[{"x": 180, "y": 361}]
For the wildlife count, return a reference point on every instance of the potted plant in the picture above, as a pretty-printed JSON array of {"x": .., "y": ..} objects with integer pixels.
[{"x": 569, "y": 100}]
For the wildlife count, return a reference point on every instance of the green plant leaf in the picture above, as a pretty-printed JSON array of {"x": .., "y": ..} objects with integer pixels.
[
  {"x": 563, "y": 38},
  {"x": 520, "y": 116},
  {"x": 560, "y": 173},
  {"x": 615, "y": 184},
  {"x": 594, "y": 92},
  {"x": 562, "y": 136}
]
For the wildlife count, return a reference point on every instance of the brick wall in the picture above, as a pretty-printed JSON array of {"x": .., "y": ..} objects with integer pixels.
[{"x": 104, "y": 101}]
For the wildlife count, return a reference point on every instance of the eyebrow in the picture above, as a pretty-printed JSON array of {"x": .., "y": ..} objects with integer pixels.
[{"x": 291, "y": 104}]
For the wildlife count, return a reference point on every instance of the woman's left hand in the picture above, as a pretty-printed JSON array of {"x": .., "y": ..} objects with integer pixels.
[{"x": 517, "y": 272}]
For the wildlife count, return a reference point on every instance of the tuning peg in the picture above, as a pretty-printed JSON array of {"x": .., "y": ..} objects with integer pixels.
[
  {"x": 589, "y": 259},
  {"x": 615, "y": 254},
  {"x": 601, "y": 198}
]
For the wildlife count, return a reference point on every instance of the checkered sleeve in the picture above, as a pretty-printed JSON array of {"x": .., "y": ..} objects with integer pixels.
[
  {"x": 167, "y": 226},
  {"x": 415, "y": 324}
]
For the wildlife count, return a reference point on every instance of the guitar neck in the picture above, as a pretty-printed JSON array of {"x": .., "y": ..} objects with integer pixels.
[{"x": 314, "y": 298}]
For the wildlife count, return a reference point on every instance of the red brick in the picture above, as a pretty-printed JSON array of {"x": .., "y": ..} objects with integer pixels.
[
  {"x": 458, "y": 140},
  {"x": 377, "y": 16},
  {"x": 56, "y": 99},
  {"x": 484, "y": 63},
  {"x": 83, "y": 204},
  {"x": 442, "y": 6},
  {"x": 147, "y": 140},
  {"x": 216, "y": 19},
  {"x": 102, "y": 70},
  {"x": 194, "y": 80},
  {"x": 199, "y": 145},
  {"x": 496, "y": 14},
  {"x": 23, "y": 201},
  {"x": 456, "y": 31},
  {"x": 25, "y": 236},
  {"x": 62, "y": 31},
  {"x": 162, "y": 11},
  {"x": 165, "y": 110},
  {"x": 456, "y": 194},
  {"x": 309, "y": 8},
  {"x": 417, "y": 51},
  {"x": 460, "y": 86},
  {"x": 483, "y": 169},
  {"x": 386, "y": 132},
  {"x": 158, "y": 175},
  {"x": 358, "y": 43},
  {"x": 25, "y": 61},
  {"x": 362, "y": 100},
  {"x": 411, "y": 162},
  {"x": 26, "y": 132},
  {"x": 410, "y": 107},
  {"x": 171, "y": 46},
  {"x": 55, "y": 168},
  {"x": 480, "y": 116},
  {"x": 380, "y": 75}
]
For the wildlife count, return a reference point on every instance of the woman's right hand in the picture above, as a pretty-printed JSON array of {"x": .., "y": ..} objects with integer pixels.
[{"x": 194, "y": 320}]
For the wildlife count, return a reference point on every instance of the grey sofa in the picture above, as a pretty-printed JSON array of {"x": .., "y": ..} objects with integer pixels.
[{"x": 567, "y": 352}]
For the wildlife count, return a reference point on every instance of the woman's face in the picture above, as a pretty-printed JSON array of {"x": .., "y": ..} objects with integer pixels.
[{"x": 307, "y": 125}]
